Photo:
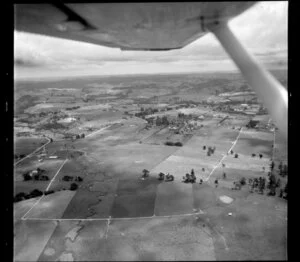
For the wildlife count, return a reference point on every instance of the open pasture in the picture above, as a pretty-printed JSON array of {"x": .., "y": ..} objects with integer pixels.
[
  {"x": 130, "y": 159},
  {"x": 140, "y": 239},
  {"x": 256, "y": 230},
  {"x": 52, "y": 206},
  {"x": 193, "y": 156},
  {"x": 280, "y": 149},
  {"x": 32, "y": 237},
  {"x": 26, "y": 145},
  {"x": 173, "y": 198},
  {"x": 253, "y": 142},
  {"x": 244, "y": 162},
  {"x": 135, "y": 197}
]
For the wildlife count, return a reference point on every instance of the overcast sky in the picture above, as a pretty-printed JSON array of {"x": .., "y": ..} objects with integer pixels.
[{"x": 262, "y": 29}]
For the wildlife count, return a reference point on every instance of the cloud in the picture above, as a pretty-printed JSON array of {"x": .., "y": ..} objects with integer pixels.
[{"x": 262, "y": 29}]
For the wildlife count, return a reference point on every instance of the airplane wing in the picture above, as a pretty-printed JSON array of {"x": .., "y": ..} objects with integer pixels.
[{"x": 129, "y": 26}]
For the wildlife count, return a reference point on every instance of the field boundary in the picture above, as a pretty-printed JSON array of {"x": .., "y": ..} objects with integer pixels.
[
  {"x": 216, "y": 166},
  {"x": 29, "y": 155},
  {"x": 113, "y": 218},
  {"x": 56, "y": 174},
  {"x": 23, "y": 217}
]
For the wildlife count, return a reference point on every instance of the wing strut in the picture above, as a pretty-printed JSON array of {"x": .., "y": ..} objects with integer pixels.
[{"x": 269, "y": 90}]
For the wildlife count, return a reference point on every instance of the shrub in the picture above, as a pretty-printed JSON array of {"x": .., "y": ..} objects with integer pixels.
[
  {"x": 19, "y": 197},
  {"x": 243, "y": 181},
  {"x": 36, "y": 177},
  {"x": 44, "y": 178},
  {"x": 168, "y": 143},
  {"x": 48, "y": 192},
  {"x": 79, "y": 179},
  {"x": 73, "y": 186},
  {"x": 27, "y": 177},
  {"x": 35, "y": 193},
  {"x": 67, "y": 178},
  {"x": 178, "y": 144}
]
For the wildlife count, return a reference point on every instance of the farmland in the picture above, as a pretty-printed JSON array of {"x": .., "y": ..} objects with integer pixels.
[{"x": 106, "y": 132}]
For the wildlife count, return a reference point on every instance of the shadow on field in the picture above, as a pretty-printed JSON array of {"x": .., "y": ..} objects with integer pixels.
[{"x": 135, "y": 198}]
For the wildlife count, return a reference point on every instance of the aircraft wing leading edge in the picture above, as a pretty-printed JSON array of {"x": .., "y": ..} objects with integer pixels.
[{"x": 129, "y": 26}]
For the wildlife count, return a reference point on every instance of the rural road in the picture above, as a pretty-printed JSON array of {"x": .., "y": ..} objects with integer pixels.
[{"x": 32, "y": 152}]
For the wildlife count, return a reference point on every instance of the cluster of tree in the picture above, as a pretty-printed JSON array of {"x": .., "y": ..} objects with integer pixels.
[
  {"x": 80, "y": 136},
  {"x": 70, "y": 178},
  {"x": 144, "y": 112},
  {"x": 169, "y": 143},
  {"x": 252, "y": 123},
  {"x": 182, "y": 115},
  {"x": 272, "y": 165},
  {"x": 283, "y": 169},
  {"x": 161, "y": 176},
  {"x": 162, "y": 121},
  {"x": 34, "y": 193},
  {"x": 38, "y": 176},
  {"x": 19, "y": 156},
  {"x": 273, "y": 184},
  {"x": 254, "y": 155},
  {"x": 210, "y": 150},
  {"x": 257, "y": 184},
  {"x": 190, "y": 178},
  {"x": 150, "y": 120},
  {"x": 72, "y": 108},
  {"x": 284, "y": 192},
  {"x": 238, "y": 184}
]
